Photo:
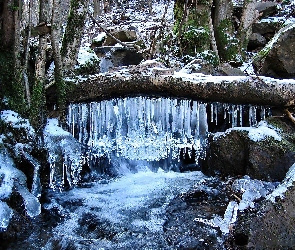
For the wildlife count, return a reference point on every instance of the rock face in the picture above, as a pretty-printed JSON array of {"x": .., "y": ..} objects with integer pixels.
[
  {"x": 267, "y": 226},
  {"x": 279, "y": 61},
  {"x": 240, "y": 152}
]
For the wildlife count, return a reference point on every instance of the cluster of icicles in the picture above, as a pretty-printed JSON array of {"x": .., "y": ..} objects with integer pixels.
[{"x": 142, "y": 130}]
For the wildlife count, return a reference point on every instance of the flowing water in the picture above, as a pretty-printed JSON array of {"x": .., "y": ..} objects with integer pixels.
[{"x": 140, "y": 154}]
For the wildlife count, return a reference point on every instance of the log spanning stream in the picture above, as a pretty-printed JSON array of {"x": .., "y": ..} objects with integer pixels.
[{"x": 252, "y": 90}]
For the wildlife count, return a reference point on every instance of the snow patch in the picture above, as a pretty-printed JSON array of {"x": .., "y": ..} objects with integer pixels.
[
  {"x": 283, "y": 187},
  {"x": 17, "y": 122}
]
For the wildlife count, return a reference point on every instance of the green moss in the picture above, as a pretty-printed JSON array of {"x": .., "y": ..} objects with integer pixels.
[
  {"x": 228, "y": 45},
  {"x": 197, "y": 39},
  {"x": 37, "y": 104},
  {"x": 11, "y": 84},
  {"x": 75, "y": 22}
]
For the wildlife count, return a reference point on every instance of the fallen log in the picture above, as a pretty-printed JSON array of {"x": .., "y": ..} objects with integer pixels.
[{"x": 227, "y": 89}]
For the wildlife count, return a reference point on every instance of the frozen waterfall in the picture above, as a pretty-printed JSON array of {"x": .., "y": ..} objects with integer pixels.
[
  {"x": 146, "y": 132},
  {"x": 140, "y": 132}
]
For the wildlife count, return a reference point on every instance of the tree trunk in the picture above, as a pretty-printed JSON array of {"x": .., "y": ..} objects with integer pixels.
[
  {"x": 192, "y": 25},
  {"x": 249, "y": 16},
  {"x": 7, "y": 24},
  {"x": 38, "y": 93},
  {"x": 226, "y": 41},
  {"x": 73, "y": 34},
  {"x": 55, "y": 41}
]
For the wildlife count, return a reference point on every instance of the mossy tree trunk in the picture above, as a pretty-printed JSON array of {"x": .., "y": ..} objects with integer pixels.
[
  {"x": 192, "y": 25},
  {"x": 249, "y": 16},
  {"x": 11, "y": 78},
  {"x": 227, "y": 43},
  {"x": 55, "y": 41},
  {"x": 73, "y": 34},
  {"x": 38, "y": 93},
  {"x": 198, "y": 33}
]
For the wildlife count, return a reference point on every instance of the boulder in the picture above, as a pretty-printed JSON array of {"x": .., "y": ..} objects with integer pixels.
[
  {"x": 266, "y": 8},
  {"x": 277, "y": 58},
  {"x": 258, "y": 152},
  {"x": 270, "y": 225},
  {"x": 256, "y": 40},
  {"x": 267, "y": 25},
  {"x": 122, "y": 35}
]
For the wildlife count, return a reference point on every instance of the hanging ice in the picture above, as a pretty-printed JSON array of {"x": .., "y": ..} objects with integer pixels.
[
  {"x": 64, "y": 155},
  {"x": 139, "y": 130},
  {"x": 236, "y": 115}
]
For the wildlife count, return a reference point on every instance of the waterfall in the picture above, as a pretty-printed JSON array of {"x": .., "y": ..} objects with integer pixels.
[{"x": 138, "y": 132}]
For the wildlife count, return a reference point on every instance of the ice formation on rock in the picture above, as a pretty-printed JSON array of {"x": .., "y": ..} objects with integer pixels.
[
  {"x": 13, "y": 179},
  {"x": 64, "y": 155}
]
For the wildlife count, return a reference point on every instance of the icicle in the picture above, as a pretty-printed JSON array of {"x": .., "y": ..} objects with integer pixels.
[
  {"x": 262, "y": 113},
  {"x": 216, "y": 113},
  {"x": 241, "y": 115},
  {"x": 212, "y": 112}
]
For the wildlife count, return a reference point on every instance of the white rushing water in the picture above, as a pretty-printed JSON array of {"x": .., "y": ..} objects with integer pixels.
[{"x": 124, "y": 213}]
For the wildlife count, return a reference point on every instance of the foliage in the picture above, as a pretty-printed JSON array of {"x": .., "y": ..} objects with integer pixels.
[
  {"x": 196, "y": 38},
  {"x": 228, "y": 44}
]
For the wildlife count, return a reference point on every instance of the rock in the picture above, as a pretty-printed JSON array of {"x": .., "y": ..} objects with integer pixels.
[
  {"x": 267, "y": 8},
  {"x": 241, "y": 152},
  {"x": 122, "y": 35},
  {"x": 277, "y": 58},
  {"x": 267, "y": 25},
  {"x": 256, "y": 40},
  {"x": 226, "y": 69},
  {"x": 269, "y": 226}
]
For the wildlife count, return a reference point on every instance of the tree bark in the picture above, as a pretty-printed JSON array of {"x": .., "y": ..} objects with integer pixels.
[
  {"x": 236, "y": 90},
  {"x": 7, "y": 24},
  {"x": 73, "y": 34},
  {"x": 55, "y": 41}
]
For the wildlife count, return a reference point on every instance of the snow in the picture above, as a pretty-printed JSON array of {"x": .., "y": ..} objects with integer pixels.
[
  {"x": 5, "y": 215},
  {"x": 14, "y": 119},
  {"x": 259, "y": 133},
  {"x": 14, "y": 179},
  {"x": 9, "y": 173},
  {"x": 99, "y": 37},
  {"x": 252, "y": 190},
  {"x": 283, "y": 187},
  {"x": 52, "y": 128},
  {"x": 86, "y": 55}
]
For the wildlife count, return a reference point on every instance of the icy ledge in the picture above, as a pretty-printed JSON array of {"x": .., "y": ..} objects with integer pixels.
[{"x": 13, "y": 179}]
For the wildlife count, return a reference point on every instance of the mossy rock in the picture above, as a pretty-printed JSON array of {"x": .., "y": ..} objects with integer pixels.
[{"x": 233, "y": 153}]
